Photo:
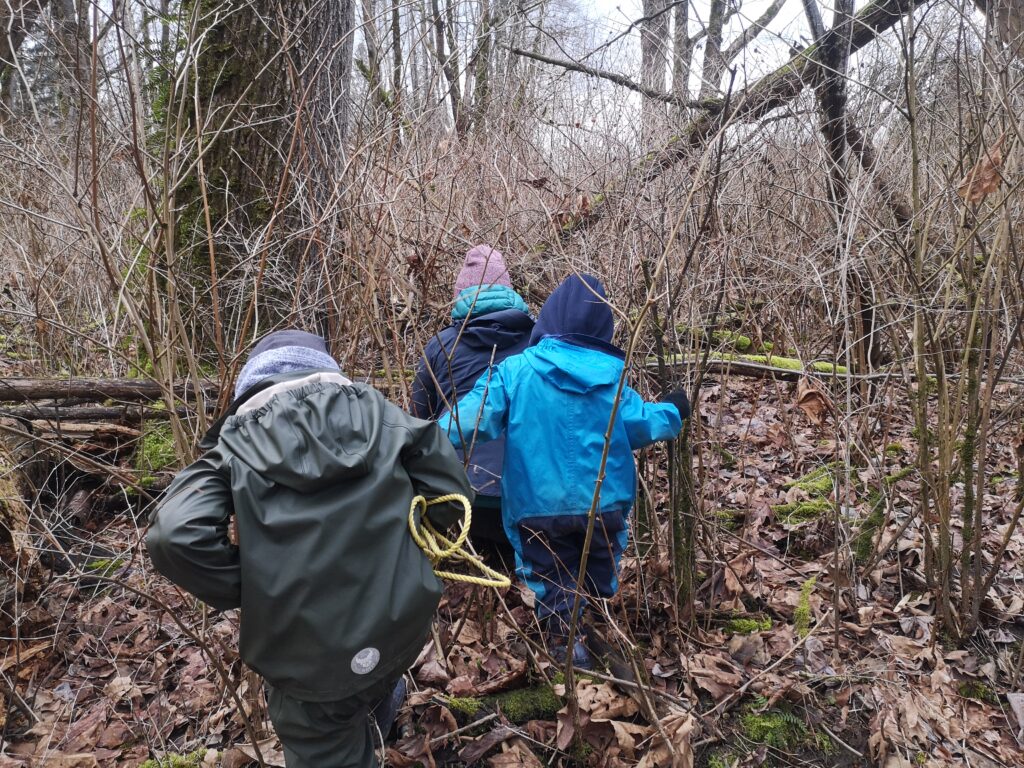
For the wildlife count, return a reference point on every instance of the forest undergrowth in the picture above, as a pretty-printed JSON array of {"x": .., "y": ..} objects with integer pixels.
[{"x": 785, "y": 661}]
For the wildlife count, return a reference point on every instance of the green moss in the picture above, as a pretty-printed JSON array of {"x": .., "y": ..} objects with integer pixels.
[
  {"x": 465, "y": 705},
  {"x": 895, "y": 449},
  {"x": 787, "y": 363},
  {"x": 105, "y": 566},
  {"x": 899, "y": 474},
  {"x": 797, "y": 512},
  {"x": 733, "y": 340},
  {"x": 978, "y": 691},
  {"x": 539, "y": 702},
  {"x": 727, "y": 518},
  {"x": 156, "y": 448},
  {"x": 748, "y": 626},
  {"x": 864, "y": 542},
  {"x": 818, "y": 482},
  {"x": 191, "y": 760},
  {"x": 722, "y": 760},
  {"x": 802, "y": 614},
  {"x": 728, "y": 460},
  {"x": 782, "y": 730}
]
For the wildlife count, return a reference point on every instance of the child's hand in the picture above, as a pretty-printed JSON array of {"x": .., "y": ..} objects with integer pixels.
[{"x": 679, "y": 399}]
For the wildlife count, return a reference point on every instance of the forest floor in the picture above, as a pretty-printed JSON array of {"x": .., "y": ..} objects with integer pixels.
[{"x": 116, "y": 667}]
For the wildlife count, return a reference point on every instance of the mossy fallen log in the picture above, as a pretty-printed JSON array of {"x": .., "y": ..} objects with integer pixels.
[
  {"x": 536, "y": 702},
  {"x": 760, "y": 366}
]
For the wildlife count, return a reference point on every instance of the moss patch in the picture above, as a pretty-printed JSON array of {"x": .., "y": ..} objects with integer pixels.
[
  {"x": 864, "y": 541},
  {"x": 722, "y": 759},
  {"x": 537, "y": 703},
  {"x": 105, "y": 566},
  {"x": 748, "y": 626},
  {"x": 156, "y": 448},
  {"x": 729, "y": 518},
  {"x": 978, "y": 691},
  {"x": 191, "y": 760},
  {"x": 782, "y": 730},
  {"x": 818, "y": 482},
  {"x": 736, "y": 341},
  {"x": 802, "y": 614},
  {"x": 801, "y": 511},
  {"x": 464, "y": 705},
  {"x": 787, "y": 363}
]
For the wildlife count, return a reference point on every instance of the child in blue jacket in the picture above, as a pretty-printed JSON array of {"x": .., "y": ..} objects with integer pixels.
[{"x": 553, "y": 404}]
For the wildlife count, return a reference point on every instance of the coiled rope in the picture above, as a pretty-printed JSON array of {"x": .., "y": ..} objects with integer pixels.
[{"x": 437, "y": 547}]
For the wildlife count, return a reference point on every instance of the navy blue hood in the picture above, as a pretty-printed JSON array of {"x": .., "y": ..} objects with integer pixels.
[
  {"x": 502, "y": 329},
  {"x": 577, "y": 312}
]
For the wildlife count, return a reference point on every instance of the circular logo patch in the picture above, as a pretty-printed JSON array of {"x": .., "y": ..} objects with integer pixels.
[{"x": 364, "y": 662}]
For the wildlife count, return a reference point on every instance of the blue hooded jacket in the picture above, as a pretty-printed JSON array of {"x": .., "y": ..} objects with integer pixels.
[
  {"x": 456, "y": 357},
  {"x": 553, "y": 403}
]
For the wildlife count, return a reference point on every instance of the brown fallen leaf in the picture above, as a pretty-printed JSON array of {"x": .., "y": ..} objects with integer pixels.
[
  {"x": 715, "y": 674},
  {"x": 410, "y": 751},
  {"x": 812, "y": 401},
  {"x": 516, "y": 755},
  {"x": 475, "y": 750},
  {"x": 679, "y": 727},
  {"x": 236, "y": 758},
  {"x": 984, "y": 178},
  {"x": 273, "y": 754},
  {"x": 80, "y": 760}
]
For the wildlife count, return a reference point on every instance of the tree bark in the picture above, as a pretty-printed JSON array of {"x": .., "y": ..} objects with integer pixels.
[
  {"x": 23, "y": 390},
  {"x": 714, "y": 64},
  {"x": 16, "y": 20},
  {"x": 653, "y": 65}
]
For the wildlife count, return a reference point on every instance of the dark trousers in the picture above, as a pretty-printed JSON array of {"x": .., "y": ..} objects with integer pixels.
[
  {"x": 487, "y": 532},
  {"x": 551, "y": 551},
  {"x": 331, "y": 734}
]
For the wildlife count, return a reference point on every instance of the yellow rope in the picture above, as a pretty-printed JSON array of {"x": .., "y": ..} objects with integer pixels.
[{"x": 438, "y": 547}]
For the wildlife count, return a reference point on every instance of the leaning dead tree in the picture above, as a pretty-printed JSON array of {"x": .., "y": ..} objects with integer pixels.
[{"x": 773, "y": 91}]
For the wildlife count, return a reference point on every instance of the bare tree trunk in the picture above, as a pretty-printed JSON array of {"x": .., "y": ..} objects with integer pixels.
[
  {"x": 714, "y": 64},
  {"x": 396, "y": 67},
  {"x": 682, "y": 52},
  {"x": 448, "y": 62},
  {"x": 371, "y": 67},
  {"x": 481, "y": 64},
  {"x": 653, "y": 65},
  {"x": 16, "y": 19}
]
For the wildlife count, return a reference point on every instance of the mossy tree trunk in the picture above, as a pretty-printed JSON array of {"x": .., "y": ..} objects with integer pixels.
[{"x": 273, "y": 85}]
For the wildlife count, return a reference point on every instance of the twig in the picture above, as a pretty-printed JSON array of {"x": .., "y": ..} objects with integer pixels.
[
  {"x": 463, "y": 729},
  {"x": 619, "y": 79},
  {"x": 842, "y": 743},
  {"x": 15, "y": 697}
]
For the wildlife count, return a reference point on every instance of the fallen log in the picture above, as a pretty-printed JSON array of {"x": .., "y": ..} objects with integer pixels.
[
  {"x": 23, "y": 390},
  {"x": 132, "y": 414}
]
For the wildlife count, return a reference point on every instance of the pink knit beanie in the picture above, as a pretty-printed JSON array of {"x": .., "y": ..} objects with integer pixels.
[{"x": 484, "y": 265}]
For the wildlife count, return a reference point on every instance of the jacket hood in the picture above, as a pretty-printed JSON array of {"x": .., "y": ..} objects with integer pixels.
[
  {"x": 574, "y": 368},
  {"x": 477, "y": 300},
  {"x": 503, "y": 329},
  {"x": 577, "y": 311},
  {"x": 315, "y": 433}
]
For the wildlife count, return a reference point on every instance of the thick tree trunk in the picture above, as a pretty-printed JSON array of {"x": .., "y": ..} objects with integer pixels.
[{"x": 16, "y": 20}]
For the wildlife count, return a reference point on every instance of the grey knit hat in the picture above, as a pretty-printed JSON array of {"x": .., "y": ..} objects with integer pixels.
[{"x": 284, "y": 352}]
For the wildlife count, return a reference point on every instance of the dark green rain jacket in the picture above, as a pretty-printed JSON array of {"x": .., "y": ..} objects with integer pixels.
[{"x": 335, "y": 594}]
